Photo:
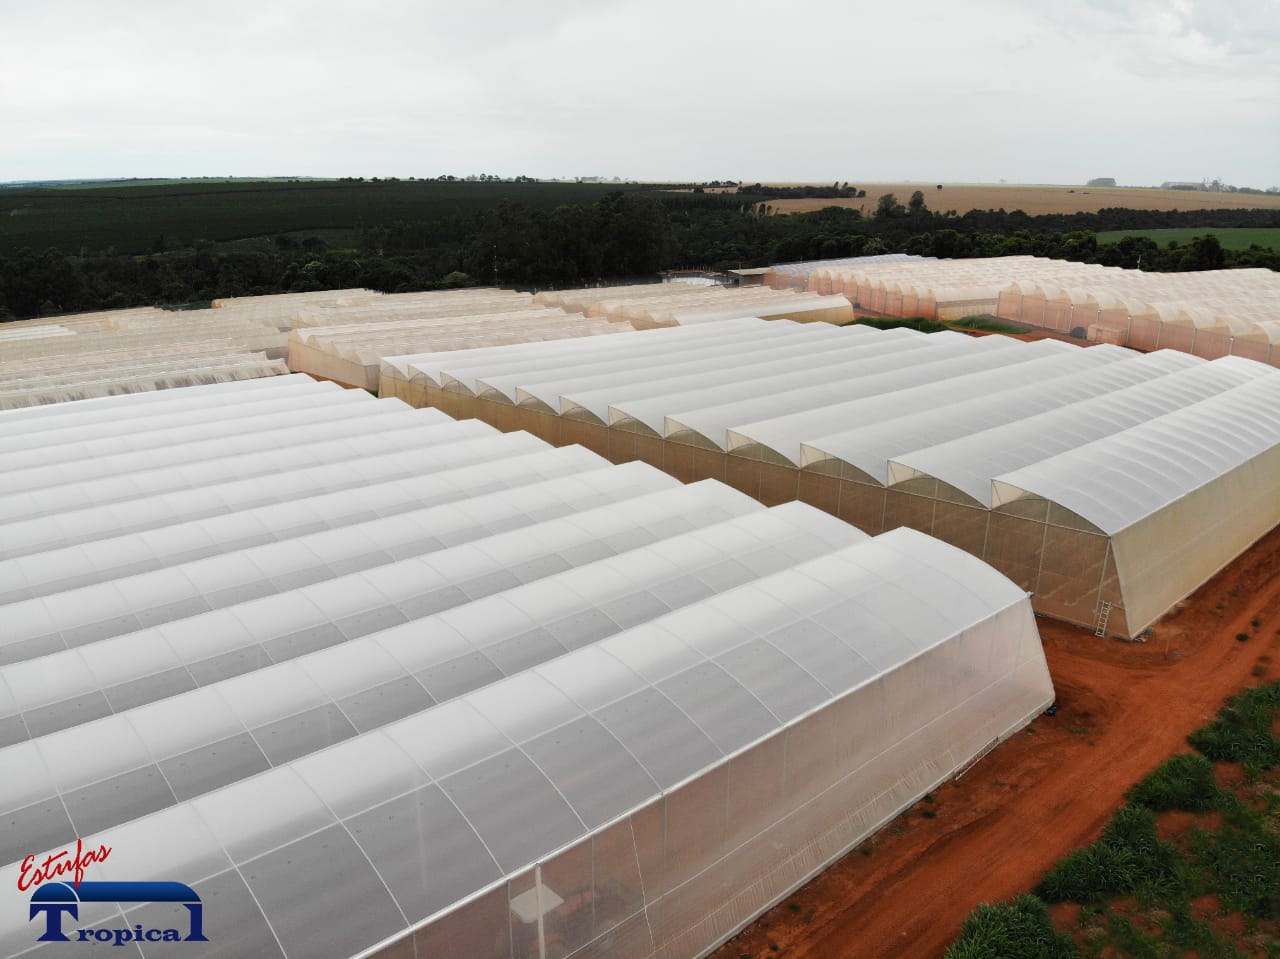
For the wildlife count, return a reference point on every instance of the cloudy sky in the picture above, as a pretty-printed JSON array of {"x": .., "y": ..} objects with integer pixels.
[{"x": 1030, "y": 91}]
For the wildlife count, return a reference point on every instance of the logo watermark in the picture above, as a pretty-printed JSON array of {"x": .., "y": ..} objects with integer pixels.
[{"x": 55, "y": 899}]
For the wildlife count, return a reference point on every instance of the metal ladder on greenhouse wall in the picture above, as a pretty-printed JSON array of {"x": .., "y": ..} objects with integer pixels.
[{"x": 1103, "y": 616}]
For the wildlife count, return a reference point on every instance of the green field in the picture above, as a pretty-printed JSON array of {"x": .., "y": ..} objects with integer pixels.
[
  {"x": 131, "y": 217},
  {"x": 1231, "y": 238}
]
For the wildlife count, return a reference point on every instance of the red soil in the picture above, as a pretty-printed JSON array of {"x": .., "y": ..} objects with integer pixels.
[{"x": 1123, "y": 709}]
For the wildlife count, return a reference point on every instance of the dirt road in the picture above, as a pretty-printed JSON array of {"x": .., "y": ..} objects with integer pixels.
[{"x": 990, "y": 836}]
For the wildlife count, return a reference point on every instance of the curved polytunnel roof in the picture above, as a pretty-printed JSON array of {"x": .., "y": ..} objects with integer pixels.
[
  {"x": 422, "y": 670},
  {"x": 899, "y": 423},
  {"x": 1268, "y": 330},
  {"x": 133, "y": 351},
  {"x": 651, "y": 410},
  {"x": 461, "y": 365},
  {"x": 105, "y": 410},
  {"x": 332, "y": 415},
  {"x": 495, "y": 635},
  {"x": 796, "y": 305},
  {"x": 165, "y": 376},
  {"x": 493, "y": 377},
  {"x": 121, "y": 438},
  {"x": 334, "y": 350},
  {"x": 366, "y": 436},
  {"x": 970, "y": 463},
  {"x": 806, "y": 267},
  {"x": 1120, "y": 479},
  {"x": 940, "y": 358},
  {"x": 1214, "y": 300},
  {"x": 812, "y": 347},
  {"x": 320, "y": 503},
  {"x": 524, "y": 381},
  {"x": 420, "y": 808},
  {"x": 546, "y": 384},
  {"x": 348, "y": 463},
  {"x": 781, "y": 434}
]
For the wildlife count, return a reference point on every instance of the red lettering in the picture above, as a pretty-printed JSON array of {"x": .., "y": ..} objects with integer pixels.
[
  {"x": 56, "y": 864},
  {"x": 23, "y": 882}
]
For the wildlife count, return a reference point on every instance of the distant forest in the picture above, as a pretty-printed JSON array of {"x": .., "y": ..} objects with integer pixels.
[{"x": 66, "y": 250}]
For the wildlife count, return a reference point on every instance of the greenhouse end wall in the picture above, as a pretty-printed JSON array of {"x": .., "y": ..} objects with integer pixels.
[
  {"x": 682, "y": 874},
  {"x": 1170, "y": 553}
]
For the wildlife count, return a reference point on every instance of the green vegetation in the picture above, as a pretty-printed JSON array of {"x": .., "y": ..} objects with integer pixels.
[
  {"x": 985, "y": 323},
  {"x": 895, "y": 323},
  {"x": 1020, "y": 930},
  {"x": 1183, "y": 782},
  {"x": 149, "y": 217},
  {"x": 1238, "y": 238},
  {"x": 75, "y": 247},
  {"x": 1128, "y": 859},
  {"x": 1242, "y": 731},
  {"x": 1143, "y": 897}
]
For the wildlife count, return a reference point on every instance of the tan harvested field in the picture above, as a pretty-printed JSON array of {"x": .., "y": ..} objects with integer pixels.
[
  {"x": 1035, "y": 200},
  {"x": 1123, "y": 708}
]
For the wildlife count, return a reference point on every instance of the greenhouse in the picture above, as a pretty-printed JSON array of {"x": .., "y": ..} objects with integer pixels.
[
  {"x": 676, "y": 304},
  {"x": 1210, "y": 313},
  {"x": 897, "y": 428},
  {"x": 351, "y": 354},
  {"x": 117, "y": 352},
  {"x": 795, "y": 276},
  {"x": 486, "y": 697}
]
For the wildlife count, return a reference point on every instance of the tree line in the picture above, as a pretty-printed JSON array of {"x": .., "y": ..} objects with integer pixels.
[{"x": 622, "y": 235}]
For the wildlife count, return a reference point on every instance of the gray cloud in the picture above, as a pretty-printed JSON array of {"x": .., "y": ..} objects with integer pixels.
[{"x": 1037, "y": 91}]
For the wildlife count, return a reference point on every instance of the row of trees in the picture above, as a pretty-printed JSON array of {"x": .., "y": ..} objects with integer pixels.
[{"x": 623, "y": 235}]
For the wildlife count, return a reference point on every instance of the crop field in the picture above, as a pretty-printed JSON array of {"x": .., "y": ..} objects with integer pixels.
[
  {"x": 1231, "y": 238},
  {"x": 130, "y": 218},
  {"x": 1036, "y": 200}
]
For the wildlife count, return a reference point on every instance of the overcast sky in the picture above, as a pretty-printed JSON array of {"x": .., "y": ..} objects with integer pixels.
[{"x": 1039, "y": 91}]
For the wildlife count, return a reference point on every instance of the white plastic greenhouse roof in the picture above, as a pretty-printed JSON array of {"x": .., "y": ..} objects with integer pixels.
[
  {"x": 899, "y": 423},
  {"x": 424, "y": 654},
  {"x": 884, "y": 407},
  {"x": 650, "y": 410},
  {"x": 971, "y": 463},
  {"x": 429, "y": 367},
  {"x": 944, "y": 355},
  {"x": 1042, "y": 364},
  {"x": 1120, "y": 479}
]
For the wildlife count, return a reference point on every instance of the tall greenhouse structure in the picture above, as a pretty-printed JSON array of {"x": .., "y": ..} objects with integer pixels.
[
  {"x": 363, "y": 680},
  {"x": 1108, "y": 483}
]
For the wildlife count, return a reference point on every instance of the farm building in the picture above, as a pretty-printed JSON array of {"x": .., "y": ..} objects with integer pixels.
[
  {"x": 485, "y": 697},
  {"x": 1107, "y": 482},
  {"x": 1210, "y": 313}
]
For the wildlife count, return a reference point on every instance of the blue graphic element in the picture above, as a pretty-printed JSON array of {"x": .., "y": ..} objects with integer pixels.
[{"x": 54, "y": 899}]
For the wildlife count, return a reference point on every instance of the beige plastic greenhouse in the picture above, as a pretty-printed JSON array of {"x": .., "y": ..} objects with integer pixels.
[
  {"x": 670, "y": 304},
  {"x": 795, "y": 276},
  {"x": 493, "y": 699},
  {"x": 896, "y": 428},
  {"x": 352, "y": 354},
  {"x": 1210, "y": 313}
]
